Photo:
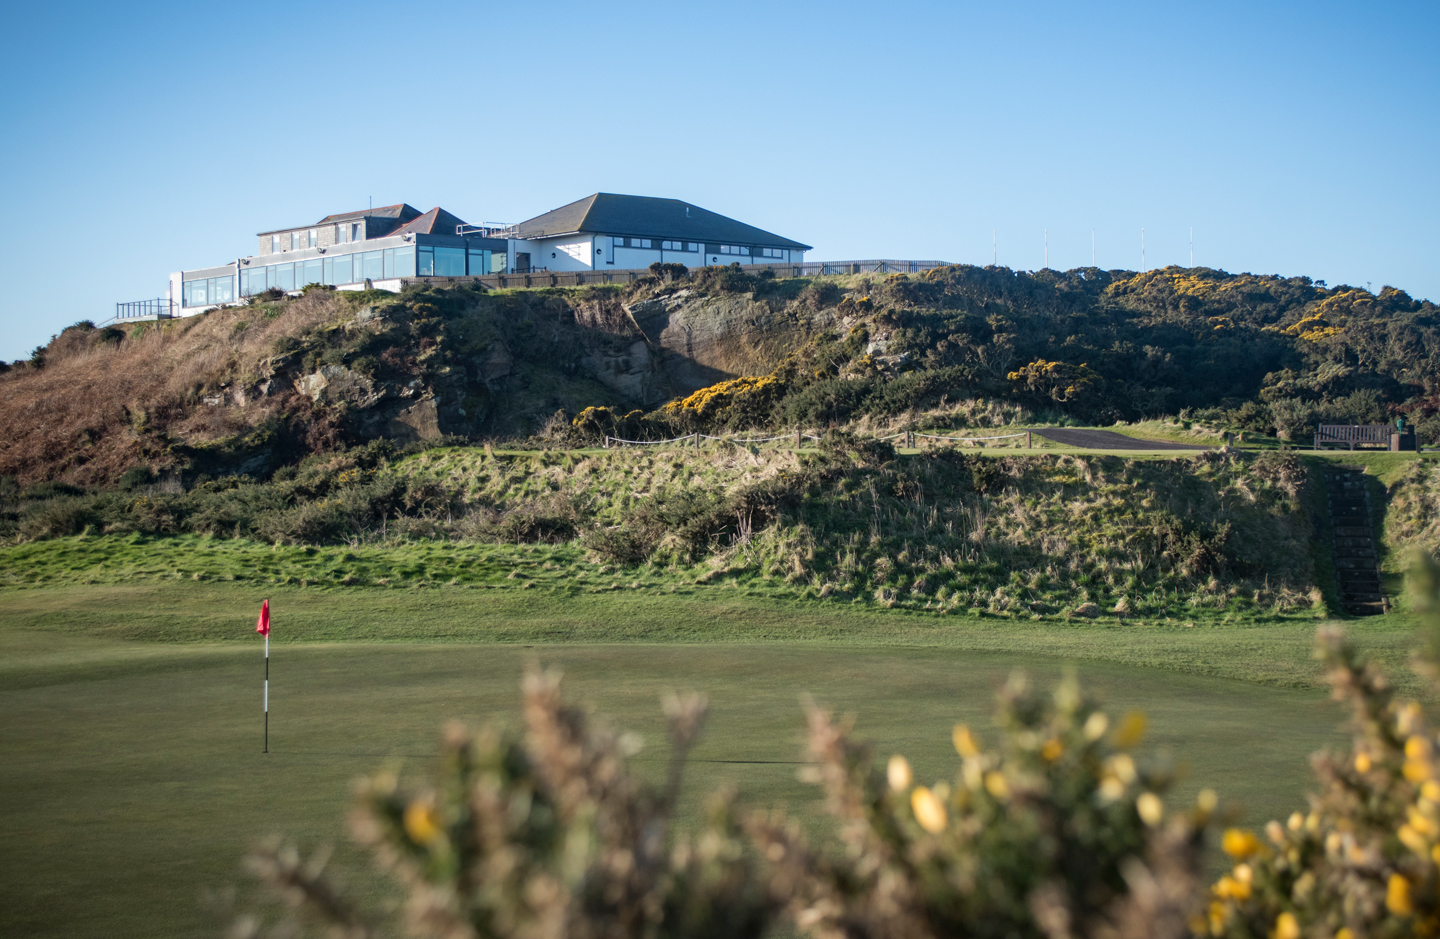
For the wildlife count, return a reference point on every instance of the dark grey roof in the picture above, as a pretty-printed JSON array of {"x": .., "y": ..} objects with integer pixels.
[
  {"x": 608, "y": 213},
  {"x": 435, "y": 222},
  {"x": 397, "y": 215}
]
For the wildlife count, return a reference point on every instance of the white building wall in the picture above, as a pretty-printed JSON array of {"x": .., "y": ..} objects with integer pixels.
[{"x": 563, "y": 254}]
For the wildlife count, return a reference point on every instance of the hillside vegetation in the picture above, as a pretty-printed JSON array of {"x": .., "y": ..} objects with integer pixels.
[{"x": 251, "y": 389}]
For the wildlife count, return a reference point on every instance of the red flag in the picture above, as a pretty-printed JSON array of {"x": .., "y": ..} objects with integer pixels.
[{"x": 263, "y": 625}]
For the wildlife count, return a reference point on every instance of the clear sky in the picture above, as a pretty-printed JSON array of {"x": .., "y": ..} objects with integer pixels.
[{"x": 1294, "y": 138}]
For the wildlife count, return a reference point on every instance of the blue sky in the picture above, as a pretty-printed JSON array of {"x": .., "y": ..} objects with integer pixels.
[{"x": 1293, "y": 138}]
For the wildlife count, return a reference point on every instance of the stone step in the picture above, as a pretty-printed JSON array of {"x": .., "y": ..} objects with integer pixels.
[
  {"x": 1351, "y": 531},
  {"x": 1365, "y": 609}
]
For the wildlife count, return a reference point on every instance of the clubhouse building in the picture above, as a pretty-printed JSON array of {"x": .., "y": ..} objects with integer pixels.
[{"x": 388, "y": 246}]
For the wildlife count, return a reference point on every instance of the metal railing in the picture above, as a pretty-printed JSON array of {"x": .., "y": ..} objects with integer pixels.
[
  {"x": 159, "y": 309},
  {"x": 1352, "y": 434}
]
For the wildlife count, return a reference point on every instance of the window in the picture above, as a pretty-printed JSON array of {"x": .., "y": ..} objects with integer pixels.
[
  {"x": 479, "y": 262},
  {"x": 274, "y": 244},
  {"x": 772, "y": 252},
  {"x": 425, "y": 262},
  {"x": 337, "y": 270},
  {"x": 208, "y": 291},
  {"x": 354, "y": 231},
  {"x": 401, "y": 261},
  {"x": 339, "y": 234},
  {"x": 314, "y": 238},
  {"x": 294, "y": 241},
  {"x": 734, "y": 249},
  {"x": 314, "y": 272},
  {"x": 449, "y": 262}
]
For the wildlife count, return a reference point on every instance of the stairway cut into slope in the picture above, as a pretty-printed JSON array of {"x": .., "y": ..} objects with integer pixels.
[{"x": 1357, "y": 558}]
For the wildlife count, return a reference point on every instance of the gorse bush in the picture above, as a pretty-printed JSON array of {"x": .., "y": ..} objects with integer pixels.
[{"x": 1062, "y": 827}]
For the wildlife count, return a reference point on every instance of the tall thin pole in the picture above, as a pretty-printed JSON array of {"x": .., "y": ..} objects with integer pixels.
[{"x": 267, "y": 692}]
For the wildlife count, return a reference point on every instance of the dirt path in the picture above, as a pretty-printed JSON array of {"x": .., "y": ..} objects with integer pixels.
[{"x": 1109, "y": 440}]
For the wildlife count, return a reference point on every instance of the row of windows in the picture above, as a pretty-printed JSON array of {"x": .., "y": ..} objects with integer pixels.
[
  {"x": 693, "y": 246},
  {"x": 296, "y": 240},
  {"x": 336, "y": 270},
  {"x": 209, "y": 291},
  {"x": 342, "y": 269}
]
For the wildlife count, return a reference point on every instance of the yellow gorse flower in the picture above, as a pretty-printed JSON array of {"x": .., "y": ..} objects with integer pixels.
[
  {"x": 1239, "y": 843},
  {"x": 964, "y": 741},
  {"x": 1397, "y": 896},
  {"x": 1287, "y": 926},
  {"x": 928, "y": 809},
  {"x": 1052, "y": 750},
  {"x": 420, "y": 822},
  {"x": 1151, "y": 809},
  {"x": 997, "y": 786}
]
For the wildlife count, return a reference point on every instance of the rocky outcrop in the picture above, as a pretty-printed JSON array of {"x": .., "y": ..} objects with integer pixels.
[
  {"x": 703, "y": 339},
  {"x": 336, "y": 384},
  {"x": 633, "y": 372}
]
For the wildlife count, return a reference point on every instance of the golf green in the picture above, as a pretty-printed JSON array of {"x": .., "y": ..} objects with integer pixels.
[{"x": 132, "y": 782}]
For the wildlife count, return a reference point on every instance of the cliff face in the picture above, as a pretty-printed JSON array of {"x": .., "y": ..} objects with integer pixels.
[
  {"x": 701, "y": 340},
  {"x": 247, "y": 389}
]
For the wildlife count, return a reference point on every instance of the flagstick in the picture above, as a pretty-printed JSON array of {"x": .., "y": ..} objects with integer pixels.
[{"x": 267, "y": 691}]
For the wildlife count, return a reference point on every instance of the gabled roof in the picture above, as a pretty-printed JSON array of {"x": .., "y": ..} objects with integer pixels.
[
  {"x": 609, "y": 213},
  {"x": 435, "y": 222}
]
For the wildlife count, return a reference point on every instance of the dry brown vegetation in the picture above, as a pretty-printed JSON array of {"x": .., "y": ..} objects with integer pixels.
[{"x": 106, "y": 400}]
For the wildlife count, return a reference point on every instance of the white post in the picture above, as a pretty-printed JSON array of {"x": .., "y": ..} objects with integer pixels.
[{"x": 267, "y": 692}]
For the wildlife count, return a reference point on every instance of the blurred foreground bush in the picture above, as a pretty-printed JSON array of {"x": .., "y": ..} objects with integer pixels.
[{"x": 1060, "y": 829}]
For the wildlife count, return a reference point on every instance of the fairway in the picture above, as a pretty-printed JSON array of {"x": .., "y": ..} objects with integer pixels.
[{"x": 131, "y": 777}]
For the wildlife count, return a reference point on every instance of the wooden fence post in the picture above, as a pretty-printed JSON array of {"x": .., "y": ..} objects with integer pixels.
[
  {"x": 909, "y": 440},
  {"x": 1029, "y": 445},
  {"x": 797, "y": 440},
  {"x": 697, "y": 440},
  {"x": 606, "y": 444}
]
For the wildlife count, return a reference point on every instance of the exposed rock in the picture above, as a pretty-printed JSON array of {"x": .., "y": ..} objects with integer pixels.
[
  {"x": 710, "y": 339},
  {"x": 494, "y": 365},
  {"x": 420, "y": 421},
  {"x": 336, "y": 384},
  {"x": 1088, "y": 610},
  {"x": 632, "y": 372}
]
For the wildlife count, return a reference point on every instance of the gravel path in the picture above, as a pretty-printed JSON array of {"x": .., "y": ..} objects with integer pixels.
[{"x": 1109, "y": 440}]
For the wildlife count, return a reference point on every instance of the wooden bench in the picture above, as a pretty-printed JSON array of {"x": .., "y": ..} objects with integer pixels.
[{"x": 1377, "y": 435}]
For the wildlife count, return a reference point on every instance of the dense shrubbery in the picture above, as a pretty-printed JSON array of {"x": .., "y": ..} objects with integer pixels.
[
  {"x": 946, "y": 530},
  {"x": 1061, "y": 829}
]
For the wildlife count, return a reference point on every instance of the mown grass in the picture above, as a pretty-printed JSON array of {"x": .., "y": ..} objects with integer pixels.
[{"x": 131, "y": 780}]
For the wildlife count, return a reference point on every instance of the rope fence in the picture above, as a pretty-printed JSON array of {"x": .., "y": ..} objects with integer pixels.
[{"x": 909, "y": 436}]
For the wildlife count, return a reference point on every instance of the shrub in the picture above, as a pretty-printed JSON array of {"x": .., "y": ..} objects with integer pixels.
[{"x": 58, "y": 517}]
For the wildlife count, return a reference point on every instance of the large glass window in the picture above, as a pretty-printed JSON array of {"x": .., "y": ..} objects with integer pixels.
[
  {"x": 424, "y": 262},
  {"x": 281, "y": 276},
  {"x": 354, "y": 231},
  {"x": 314, "y": 238},
  {"x": 372, "y": 266},
  {"x": 274, "y": 244},
  {"x": 404, "y": 261},
  {"x": 337, "y": 270},
  {"x": 449, "y": 262},
  {"x": 498, "y": 260},
  {"x": 208, "y": 292},
  {"x": 479, "y": 262},
  {"x": 314, "y": 272}
]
